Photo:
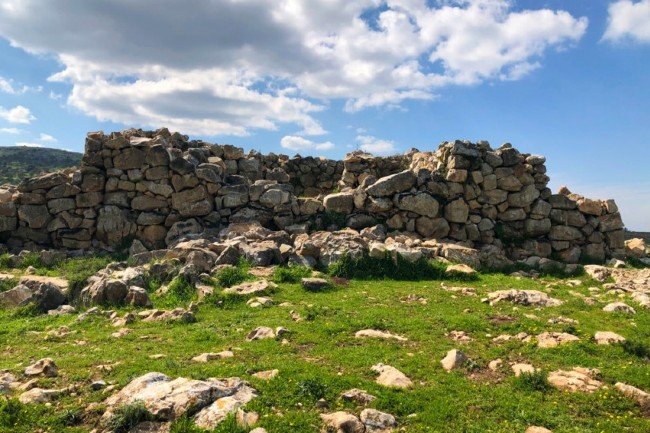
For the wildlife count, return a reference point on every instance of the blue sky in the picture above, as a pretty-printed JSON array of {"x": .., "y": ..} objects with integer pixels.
[{"x": 566, "y": 79}]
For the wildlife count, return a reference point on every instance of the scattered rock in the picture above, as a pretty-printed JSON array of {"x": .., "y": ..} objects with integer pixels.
[
  {"x": 377, "y": 422},
  {"x": 576, "y": 380},
  {"x": 460, "y": 269},
  {"x": 210, "y": 356},
  {"x": 619, "y": 307},
  {"x": 554, "y": 339},
  {"x": 267, "y": 374},
  {"x": 261, "y": 333},
  {"x": 43, "y": 367},
  {"x": 314, "y": 284},
  {"x": 607, "y": 337},
  {"x": 454, "y": 360},
  {"x": 535, "y": 429},
  {"x": 373, "y": 333},
  {"x": 358, "y": 396},
  {"x": 251, "y": 287},
  {"x": 641, "y": 397},
  {"x": 391, "y": 377},
  {"x": 523, "y": 297},
  {"x": 521, "y": 368},
  {"x": 343, "y": 422},
  {"x": 39, "y": 395}
]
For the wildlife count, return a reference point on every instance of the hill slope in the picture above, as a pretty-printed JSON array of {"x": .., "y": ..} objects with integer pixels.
[{"x": 17, "y": 162}]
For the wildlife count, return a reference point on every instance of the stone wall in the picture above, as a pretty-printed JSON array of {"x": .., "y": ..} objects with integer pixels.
[{"x": 153, "y": 186}]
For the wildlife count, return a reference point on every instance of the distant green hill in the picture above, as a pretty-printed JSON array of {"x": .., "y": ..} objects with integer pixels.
[{"x": 16, "y": 162}]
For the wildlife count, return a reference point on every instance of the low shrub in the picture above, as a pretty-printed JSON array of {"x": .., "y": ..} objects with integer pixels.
[
  {"x": 366, "y": 268},
  {"x": 5, "y": 261},
  {"x": 11, "y": 411},
  {"x": 312, "y": 388},
  {"x": 291, "y": 273},
  {"x": 184, "y": 424},
  {"x": 128, "y": 416},
  {"x": 8, "y": 284},
  {"x": 535, "y": 381},
  {"x": 231, "y": 276},
  {"x": 636, "y": 348},
  {"x": 181, "y": 290}
]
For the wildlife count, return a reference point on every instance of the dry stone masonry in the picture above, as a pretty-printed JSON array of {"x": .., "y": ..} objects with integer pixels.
[{"x": 157, "y": 186}]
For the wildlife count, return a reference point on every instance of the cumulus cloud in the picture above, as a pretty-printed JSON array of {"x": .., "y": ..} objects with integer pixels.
[
  {"x": 229, "y": 66},
  {"x": 10, "y": 130},
  {"x": 376, "y": 146},
  {"x": 18, "y": 114},
  {"x": 47, "y": 138},
  {"x": 628, "y": 21},
  {"x": 301, "y": 144}
]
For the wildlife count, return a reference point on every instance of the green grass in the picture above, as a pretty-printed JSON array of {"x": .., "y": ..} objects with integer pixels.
[
  {"x": 369, "y": 268},
  {"x": 8, "y": 284},
  {"x": 322, "y": 358},
  {"x": 232, "y": 275},
  {"x": 290, "y": 274},
  {"x": 128, "y": 416}
]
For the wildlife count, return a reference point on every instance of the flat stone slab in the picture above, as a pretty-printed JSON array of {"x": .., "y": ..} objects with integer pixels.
[
  {"x": 533, "y": 298},
  {"x": 250, "y": 287},
  {"x": 374, "y": 333},
  {"x": 211, "y": 400}
]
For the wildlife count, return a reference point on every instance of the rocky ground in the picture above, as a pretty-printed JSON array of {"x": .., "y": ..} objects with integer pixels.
[{"x": 160, "y": 347}]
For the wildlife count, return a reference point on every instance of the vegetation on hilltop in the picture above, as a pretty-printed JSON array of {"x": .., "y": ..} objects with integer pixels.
[{"x": 19, "y": 162}]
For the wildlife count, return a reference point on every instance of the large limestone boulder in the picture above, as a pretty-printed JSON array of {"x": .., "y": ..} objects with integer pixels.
[
  {"x": 457, "y": 211},
  {"x": 635, "y": 248},
  {"x": 211, "y": 400},
  {"x": 392, "y": 184},
  {"x": 391, "y": 377},
  {"x": 44, "y": 296},
  {"x": 342, "y": 202},
  {"x": 114, "y": 225},
  {"x": 421, "y": 203}
]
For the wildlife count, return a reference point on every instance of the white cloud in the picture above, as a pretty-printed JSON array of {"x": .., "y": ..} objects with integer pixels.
[
  {"x": 229, "y": 66},
  {"x": 27, "y": 144},
  {"x": 628, "y": 21},
  {"x": 18, "y": 114},
  {"x": 301, "y": 144},
  {"x": 376, "y": 146},
  {"x": 47, "y": 138},
  {"x": 10, "y": 130},
  {"x": 6, "y": 86},
  {"x": 9, "y": 86}
]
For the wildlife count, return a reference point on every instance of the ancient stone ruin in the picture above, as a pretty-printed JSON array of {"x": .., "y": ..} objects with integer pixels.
[{"x": 156, "y": 186}]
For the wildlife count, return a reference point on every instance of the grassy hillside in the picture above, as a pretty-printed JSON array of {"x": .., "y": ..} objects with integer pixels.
[
  {"x": 17, "y": 162},
  {"x": 321, "y": 358}
]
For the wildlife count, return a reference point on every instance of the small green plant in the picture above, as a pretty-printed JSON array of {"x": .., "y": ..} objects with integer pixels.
[
  {"x": 184, "y": 424},
  {"x": 398, "y": 268},
  {"x": 29, "y": 310},
  {"x": 228, "y": 425},
  {"x": 636, "y": 348},
  {"x": 230, "y": 276},
  {"x": 8, "y": 284},
  {"x": 128, "y": 416},
  {"x": 5, "y": 261},
  {"x": 70, "y": 417},
  {"x": 180, "y": 290},
  {"x": 31, "y": 259},
  {"x": 312, "y": 388},
  {"x": 534, "y": 381},
  {"x": 291, "y": 274},
  {"x": 11, "y": 411}
]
